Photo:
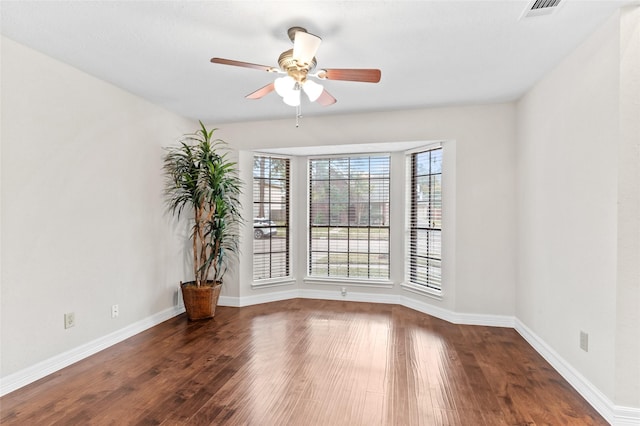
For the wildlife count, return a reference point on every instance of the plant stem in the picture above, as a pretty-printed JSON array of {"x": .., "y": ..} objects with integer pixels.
[{"x": 195, "y": 246}]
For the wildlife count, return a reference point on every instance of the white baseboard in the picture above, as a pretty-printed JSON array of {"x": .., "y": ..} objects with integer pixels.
[
  {"x": 625, "y": 416},
  {"x": 392, "y": 299},
  {"x": 457, "y": 317},
  {"x": 238, "y": 302},
  {"x": 616, "y": 415},
  {"x": 352, "y": 296},
  {"x": 44, "y": 368}
]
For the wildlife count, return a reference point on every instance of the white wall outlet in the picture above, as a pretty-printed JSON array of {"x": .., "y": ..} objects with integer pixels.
[
  {"x": 344, "y": 291},
  {"x": 584, "y": 341},
  {"x": 69, "y": 320},
  {"x": 115, "y": 311}
]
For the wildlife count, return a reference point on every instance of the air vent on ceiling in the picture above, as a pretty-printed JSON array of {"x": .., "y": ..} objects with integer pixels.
[{"x": 541, "y": 7}]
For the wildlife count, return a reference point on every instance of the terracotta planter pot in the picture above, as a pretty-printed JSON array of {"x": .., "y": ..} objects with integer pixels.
[{"x": 200, "y": 302}]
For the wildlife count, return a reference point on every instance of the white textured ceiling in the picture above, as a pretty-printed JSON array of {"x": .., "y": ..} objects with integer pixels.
[{"x": 431, "y": 53}]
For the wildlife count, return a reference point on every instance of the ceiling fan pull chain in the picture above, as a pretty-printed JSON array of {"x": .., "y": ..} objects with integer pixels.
[{"x": 298, "y": 115}]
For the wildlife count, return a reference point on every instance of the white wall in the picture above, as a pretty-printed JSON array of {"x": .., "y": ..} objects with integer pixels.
[
  {"x": 82, "y": 214},
  {"x": 627, "y": 357},
  {"x": 568, "y": 185},
  {"x": 484, "y": 275}
]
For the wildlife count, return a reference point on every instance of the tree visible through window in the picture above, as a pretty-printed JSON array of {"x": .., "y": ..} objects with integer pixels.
[
  {"x": 270, "y": 218},
  {"x": 349, "y": 217},
  {"x": 425, "y": 219}
]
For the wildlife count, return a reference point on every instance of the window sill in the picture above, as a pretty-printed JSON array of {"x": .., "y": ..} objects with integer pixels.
[
  {"x": 421, "y": 290},
  {"x": 350, "y": 282},
  {"x": 273, "y": 282}
]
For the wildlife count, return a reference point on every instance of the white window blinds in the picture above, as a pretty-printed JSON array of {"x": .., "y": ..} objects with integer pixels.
[
  {"x": 425, "y": 219},
  {"x": 270, "y": 218},
  {"x": 349, "y": 217}
]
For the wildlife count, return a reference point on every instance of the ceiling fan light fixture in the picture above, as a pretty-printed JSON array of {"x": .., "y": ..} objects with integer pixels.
[
  {"x": 312, "y": 89},
  {"x": 299, "y": 64}
]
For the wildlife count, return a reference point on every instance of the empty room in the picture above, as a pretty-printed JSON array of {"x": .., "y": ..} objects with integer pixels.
[{"x": 320, "y": 212}]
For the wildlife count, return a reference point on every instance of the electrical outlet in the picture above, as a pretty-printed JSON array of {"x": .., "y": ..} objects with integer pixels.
[
  {"x": 115, "y": 311},
  {"x": 69, "y": 320},
  {"x": 584, "y": 341},
  {"x": 344, "y": 291}
]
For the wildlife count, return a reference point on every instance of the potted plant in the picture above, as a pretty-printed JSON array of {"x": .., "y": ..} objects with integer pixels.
[{"x": 200, "y": 180}]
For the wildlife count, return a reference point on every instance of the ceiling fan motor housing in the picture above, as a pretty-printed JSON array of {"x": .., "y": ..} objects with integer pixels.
[{"x": 297, "y": 71}]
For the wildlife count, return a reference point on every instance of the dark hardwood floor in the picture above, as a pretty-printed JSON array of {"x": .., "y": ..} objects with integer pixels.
[{"x": 307, "y": 362}]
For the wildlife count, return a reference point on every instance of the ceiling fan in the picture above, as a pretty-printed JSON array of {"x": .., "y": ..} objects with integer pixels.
[{"x": 298, "y": 64}]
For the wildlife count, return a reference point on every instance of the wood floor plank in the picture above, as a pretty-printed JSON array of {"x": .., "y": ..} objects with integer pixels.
[{"x": 307, "y": 362}]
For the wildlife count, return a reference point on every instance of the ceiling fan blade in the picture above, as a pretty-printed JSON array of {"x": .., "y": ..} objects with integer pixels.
[
  {"x": 325, "y": 98},
  {"x": 363, "y": 75},
  {"x": 305, "y": 46},
  {"x": 263, "y": 91},
  {"x": 243, "y": 64}
]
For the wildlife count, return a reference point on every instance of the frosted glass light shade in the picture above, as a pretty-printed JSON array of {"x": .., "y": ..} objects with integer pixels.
[
  {"x": 292, "y": 98},
  {"x": 305, "y": 47},
  {"x": 284, "y": 85},
  {"x": 312, "y": 89}
]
